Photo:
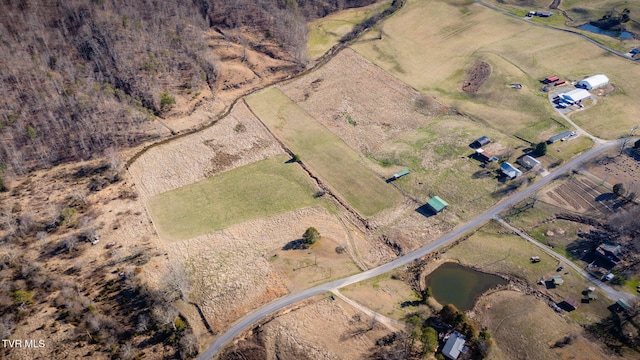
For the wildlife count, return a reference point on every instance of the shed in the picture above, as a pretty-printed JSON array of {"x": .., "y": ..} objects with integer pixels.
[
  {"x": 535, "y": 259},
  {"x": 509, "y": 170},
  {"x": 437, "y": 204},
  {"x": 575, "y": 96},
  {"x": 558, "y": 280},
  {"x": 529, "y": 162},
  {"x": 454, "y": 346},
  {"x": 592, "y": 296},
  {"x": 400, "y": 174},
  {"x": 570, "y": 304},
  {"x": 593, "y": 82},
  {"x": 480, "y": 142},
  {"x": 559, "y": 137},
  {"x": 544, "y": 13}
]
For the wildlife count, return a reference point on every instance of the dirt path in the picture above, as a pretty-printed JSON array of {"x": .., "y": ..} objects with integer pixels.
[{"x": 389, "y": 323}]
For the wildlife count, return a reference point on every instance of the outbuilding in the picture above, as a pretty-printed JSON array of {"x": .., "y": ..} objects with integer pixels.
[
  {"x": 558, "y": 280},
  {"x": 575, "y": 96},
  {"x": 437, "y": 204},
  {"x": 484, "y": 156},
  {"x": 480, "y": 142},
  {"x": 560, "y": 136},
  {"x": 570, "y": 304},
  {"x": 454, "y": 346},
  {"x": 593, "y": 82}
]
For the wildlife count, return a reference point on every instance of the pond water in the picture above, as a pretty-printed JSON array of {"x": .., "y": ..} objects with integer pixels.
[
  {"x": 616, "y": 34},
  {"x": 454, "y": 284}
]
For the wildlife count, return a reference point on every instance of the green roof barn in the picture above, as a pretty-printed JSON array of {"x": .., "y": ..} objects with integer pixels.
[{"x": 437, "y": 204}]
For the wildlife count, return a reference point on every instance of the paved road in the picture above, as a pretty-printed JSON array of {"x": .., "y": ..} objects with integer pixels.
[
  {"x": 612, "y": 293},
  {"x": 278, "y": 304}
]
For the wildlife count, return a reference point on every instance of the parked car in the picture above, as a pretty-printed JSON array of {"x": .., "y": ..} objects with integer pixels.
[{"x": 560, "y": 268}]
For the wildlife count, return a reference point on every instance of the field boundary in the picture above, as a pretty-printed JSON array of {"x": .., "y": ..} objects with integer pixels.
[{"x": 360, "y": 220}]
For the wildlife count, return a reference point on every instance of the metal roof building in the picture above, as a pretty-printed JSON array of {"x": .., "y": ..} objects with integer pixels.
[
  {"x": 454, "y": 346},
  {"x": 529, "y": 162},
  {"x": 437, "y": 204},
  {"x": 593, "y": 82},
  {"x": 575, "y": 96}
]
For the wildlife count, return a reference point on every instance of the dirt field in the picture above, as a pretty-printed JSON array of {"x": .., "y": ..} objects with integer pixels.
[
  {"x": 581, "y": 194},
  {"x": 446, "y": 39},
  {"x": 320, "y": 328},
  {"x": 477, "y": 75},
  {"x": 613, "y": 168}
]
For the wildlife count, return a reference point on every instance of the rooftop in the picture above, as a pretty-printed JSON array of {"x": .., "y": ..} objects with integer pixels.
[{"x": 437, "y": 203}]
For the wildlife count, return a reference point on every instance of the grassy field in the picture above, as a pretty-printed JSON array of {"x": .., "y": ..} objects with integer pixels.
[
  {"x": 491, "y": 250},
  {"x": 437, "y": 155},
  {"x": 431, "y": 45},
  {"x": 253, "y": 191},
  {"x": 345, "y": 172},
  {"x": 383, "y": 295},
  {"x": 327, "y": 31}
]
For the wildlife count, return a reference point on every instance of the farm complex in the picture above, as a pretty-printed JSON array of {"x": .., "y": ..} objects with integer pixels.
[{"x": 448, "y": 117}]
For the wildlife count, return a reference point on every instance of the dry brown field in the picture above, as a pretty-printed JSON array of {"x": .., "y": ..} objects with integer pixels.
[
  {"x": 319, "y": 328},
  {"x": 523, "y": 326},
  {"x": 430, "y": 46}
]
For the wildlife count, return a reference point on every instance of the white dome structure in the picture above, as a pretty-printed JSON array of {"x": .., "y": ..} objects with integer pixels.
[{"x": 593, "y": 82}]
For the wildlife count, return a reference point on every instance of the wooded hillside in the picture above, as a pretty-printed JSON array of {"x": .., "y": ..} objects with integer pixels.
[{"x": 79, "y": 77}]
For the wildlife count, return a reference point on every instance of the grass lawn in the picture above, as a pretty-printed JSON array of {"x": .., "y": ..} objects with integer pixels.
[
  {"x": 431, "y": 45},
  {"x": 327, "y": 31},
  {"x": 345, "y": 172},
  {"x": 261, "y": 189}
]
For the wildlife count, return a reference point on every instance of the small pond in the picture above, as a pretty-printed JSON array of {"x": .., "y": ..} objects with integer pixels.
[
  {"x": 616, "y": 34},
  {"x": 454, "y": 284}
]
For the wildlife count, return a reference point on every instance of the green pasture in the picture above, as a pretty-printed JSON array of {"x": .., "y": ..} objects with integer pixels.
[
  {"x": 432, "y": 45},
  {"x": 253, "y": 191},
  {"x": 327, "y": 31},
  {"x": 438, "y": 158},
  {"x": 345, "y": 172}
]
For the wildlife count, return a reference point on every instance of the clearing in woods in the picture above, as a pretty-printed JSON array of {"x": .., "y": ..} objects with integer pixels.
[
  {"x": 432, "y": 45},
  {"x": 261, "y": 189},
  {"x": 327, "y": 155}
]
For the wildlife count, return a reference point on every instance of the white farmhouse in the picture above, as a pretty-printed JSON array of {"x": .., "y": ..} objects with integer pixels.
[{"x": 593, "y": 82}]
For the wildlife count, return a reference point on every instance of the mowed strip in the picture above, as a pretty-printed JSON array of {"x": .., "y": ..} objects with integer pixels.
[
  {"x": 326, "y": 154},
  {"x": 253, "y": 191}
]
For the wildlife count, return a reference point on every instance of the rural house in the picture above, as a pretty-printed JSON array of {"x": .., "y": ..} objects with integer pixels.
[
  {"x": 560, "y": 136},
  {"x": 454, "y": 346},
  {"x": 609, "y": 252},
  {"x": 593, "y": 82},
  {"x": 484, "y": 156},
  {"x": 437, "y": 204},
  {"x": 509, "y": 170},
  {"x": 529, "y": 162}
]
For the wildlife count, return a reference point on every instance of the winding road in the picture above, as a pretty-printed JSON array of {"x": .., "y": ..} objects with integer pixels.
[{"x": 444, "y": 240}]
